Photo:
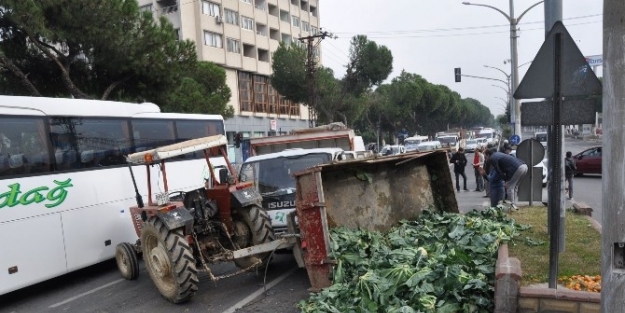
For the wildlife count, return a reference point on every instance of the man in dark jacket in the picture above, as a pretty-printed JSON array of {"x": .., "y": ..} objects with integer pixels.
[
  {"x": 569, "y": 171},
  {"x": 511, "y": 169},
  {"x": 460, "y": 162}
]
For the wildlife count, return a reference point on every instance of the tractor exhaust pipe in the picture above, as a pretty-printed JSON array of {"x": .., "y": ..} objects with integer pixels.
[{"x": 138, "y": 197}]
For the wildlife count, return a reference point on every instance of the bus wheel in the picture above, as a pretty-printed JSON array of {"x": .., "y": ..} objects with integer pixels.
[
  {"x": 169, "y": 260},
  {"x": 252, "y": 226},
  {"x": 127, "y": 261}
]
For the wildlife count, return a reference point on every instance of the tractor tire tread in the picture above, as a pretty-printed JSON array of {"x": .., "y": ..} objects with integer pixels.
[{"x": 181, "y": 254}]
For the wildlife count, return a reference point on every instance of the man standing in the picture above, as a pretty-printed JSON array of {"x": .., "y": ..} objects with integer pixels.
[
  {"x": 478, "y": 164},
  {"x": 569, "y": 171},
  {"x": 460, "y": 162},
  {"x": 511, "y": 169}
]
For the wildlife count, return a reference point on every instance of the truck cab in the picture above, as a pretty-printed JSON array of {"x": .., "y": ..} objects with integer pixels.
[{"x": 272, "y": 176}]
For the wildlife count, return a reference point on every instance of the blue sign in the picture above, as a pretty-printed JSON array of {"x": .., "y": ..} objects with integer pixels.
[{"x": 515, "y": 140}]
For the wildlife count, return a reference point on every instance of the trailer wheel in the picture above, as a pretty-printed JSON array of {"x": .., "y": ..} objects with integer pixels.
[
  {"x": 127, "y": 261},
  {"x": 169, "y": 260},
  {"x": 252, "y": 226}
]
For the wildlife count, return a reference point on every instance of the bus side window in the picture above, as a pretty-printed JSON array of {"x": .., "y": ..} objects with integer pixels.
[{"x": 23, "y": 146}]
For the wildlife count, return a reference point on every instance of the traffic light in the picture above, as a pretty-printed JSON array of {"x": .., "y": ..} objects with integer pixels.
[
  {"x": 237, "y": 140},
  {"x": 457, "y": 74}
]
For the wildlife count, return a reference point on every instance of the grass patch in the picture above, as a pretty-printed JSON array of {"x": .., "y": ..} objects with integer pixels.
[{"x": 582, "y": 254}]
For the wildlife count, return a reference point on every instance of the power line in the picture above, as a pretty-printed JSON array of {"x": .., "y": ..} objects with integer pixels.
[
  {"x": 454, "y": 28},
  {"x": 464, "y": 34}
]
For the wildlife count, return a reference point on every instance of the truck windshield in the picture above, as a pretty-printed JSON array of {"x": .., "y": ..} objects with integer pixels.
[
  {"x": 273, "y": 175},
  {"x": 412, "y": 144}
]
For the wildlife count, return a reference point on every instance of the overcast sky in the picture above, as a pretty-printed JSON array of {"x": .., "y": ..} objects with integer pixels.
[{"x": 432, "y": 37}]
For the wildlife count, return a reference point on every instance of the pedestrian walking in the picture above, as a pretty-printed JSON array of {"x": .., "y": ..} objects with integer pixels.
[
  {"x": 478, "y": 165},
  {"x": 460, "y": 162},
  {"x": 511, "y": 169},
  {"x": 569, "y": 171}
]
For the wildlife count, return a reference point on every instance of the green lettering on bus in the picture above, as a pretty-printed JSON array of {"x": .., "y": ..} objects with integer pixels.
[{"x": 56, "y": 195}]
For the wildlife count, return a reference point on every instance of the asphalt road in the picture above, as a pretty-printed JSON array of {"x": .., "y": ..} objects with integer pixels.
[{"x": 100, "y": 288}]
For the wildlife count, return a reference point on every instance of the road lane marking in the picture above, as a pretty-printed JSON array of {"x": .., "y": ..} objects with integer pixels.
[
  {"x": 86, "y": 293},
  {"x": 259, "y": 292}
]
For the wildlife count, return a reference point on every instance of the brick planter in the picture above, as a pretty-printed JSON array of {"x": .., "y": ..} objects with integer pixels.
[{"x": 509, "y": 297}]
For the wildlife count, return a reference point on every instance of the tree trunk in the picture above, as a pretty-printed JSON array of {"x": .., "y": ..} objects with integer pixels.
[{"x": 23, "y": 78}]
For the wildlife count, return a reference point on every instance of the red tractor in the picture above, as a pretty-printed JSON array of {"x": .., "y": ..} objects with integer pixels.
[{"x": 181, "y": 232}]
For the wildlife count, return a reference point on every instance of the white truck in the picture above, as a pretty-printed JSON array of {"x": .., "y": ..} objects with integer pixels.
[
  {"x": 273, "y": 160},
  {"x": 272, "y": 176},
  {"x": 335, "y": 135}
]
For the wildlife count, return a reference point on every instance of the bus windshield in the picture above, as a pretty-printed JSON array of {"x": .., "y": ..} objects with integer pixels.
[{"x": 276, "y": 174}]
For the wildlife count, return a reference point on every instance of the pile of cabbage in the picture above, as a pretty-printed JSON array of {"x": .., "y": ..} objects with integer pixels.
[{"x": 442, "y": 262}]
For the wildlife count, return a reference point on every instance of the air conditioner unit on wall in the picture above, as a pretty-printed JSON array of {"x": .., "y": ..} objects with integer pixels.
[{"x": 219, "y": 19}]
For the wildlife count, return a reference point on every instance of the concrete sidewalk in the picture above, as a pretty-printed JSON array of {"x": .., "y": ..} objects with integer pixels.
[{"x": 470, "y": 200}]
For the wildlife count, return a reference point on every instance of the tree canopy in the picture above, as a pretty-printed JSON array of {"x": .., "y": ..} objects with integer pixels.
[
  {"x": 100, "y": 50},
  {"x": 408, "y": 102}
]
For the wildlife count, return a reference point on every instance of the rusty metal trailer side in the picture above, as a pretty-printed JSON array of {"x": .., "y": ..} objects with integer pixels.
[{"x": 373, "y": 194}]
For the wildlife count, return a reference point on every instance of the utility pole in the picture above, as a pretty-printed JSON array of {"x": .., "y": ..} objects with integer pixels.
[
  {"x": 613, "y": 235},
  {"x": 553, "y": 14},
  {"x": 311, "y": 68}
]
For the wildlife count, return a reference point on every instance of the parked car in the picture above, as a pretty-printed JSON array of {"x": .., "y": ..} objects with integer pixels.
[
  {"x": 470, "y": 145},
  {"x": 542, "y": 164},
  {"x": 392, "y": 150},
  {"x": 588, "y": 161},
  {"x": 482, "y": 142}
]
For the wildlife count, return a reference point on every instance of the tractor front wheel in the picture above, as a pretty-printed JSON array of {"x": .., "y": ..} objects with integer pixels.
[
  {"x": 252, "y": 226},
  {"x": 169, "y": 260},
  {"x": 127, "y": 261}
]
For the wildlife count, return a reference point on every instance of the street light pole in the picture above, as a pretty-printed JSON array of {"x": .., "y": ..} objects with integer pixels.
[
  {"x": 508, "y": 92},
  {"x": 516, "y": 111}
]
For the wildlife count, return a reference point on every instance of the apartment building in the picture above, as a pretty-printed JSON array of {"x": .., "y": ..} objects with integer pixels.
[{"x": 241, "y": 36}]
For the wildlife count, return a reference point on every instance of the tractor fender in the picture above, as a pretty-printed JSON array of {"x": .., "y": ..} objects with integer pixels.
[
  {"x": 245, "y": 197},
  {"x": 177, "y": 218}
]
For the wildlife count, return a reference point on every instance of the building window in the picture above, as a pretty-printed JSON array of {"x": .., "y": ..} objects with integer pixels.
[
  {"x": 259, "y": 134},
  {"x": 245, "y": 91},
  {"x": 295, "y": 21},
  {"x": 177, "y": 30},
  {"x": 260, "y": 93},
  {"x": 313, "y": 30},
  {"x": 247, "y": 1},
  {"x": 210, "y": 8},
  {"x": 284, "y": 16},
  {"x": 147, "y": 8},
  {"x": 305, "y": 26},
  {"x": 213, "y": 39},
  {"x": 257, "y": 95},
  {"x": 233, "y": 45},
  {"x": 313, "y": 11},
  {"x": 272, "y": 99},
  {"x": 247, "y": 23},
  {"x": 231, "y": 17}
]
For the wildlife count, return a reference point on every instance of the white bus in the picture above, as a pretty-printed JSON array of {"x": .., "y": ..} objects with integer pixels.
[{"x": 65, "y": 188}]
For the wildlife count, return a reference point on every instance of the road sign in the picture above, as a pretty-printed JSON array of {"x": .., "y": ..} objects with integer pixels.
[
  {"x": 576, "y": 77},
  {"x": 531, "y": 151},
  {"x": 576, "y": 112},
  {"x": 514, "y": 140}
]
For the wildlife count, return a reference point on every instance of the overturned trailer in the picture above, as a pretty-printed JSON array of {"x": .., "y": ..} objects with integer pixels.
[{"x": 373, "y": 194}]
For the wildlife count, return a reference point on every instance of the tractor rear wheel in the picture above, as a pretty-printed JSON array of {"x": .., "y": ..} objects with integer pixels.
[
  {"x": 169, "y": 260},
  {"x": 252, "y": 226},
  {"x": 127, "y": 261}
]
